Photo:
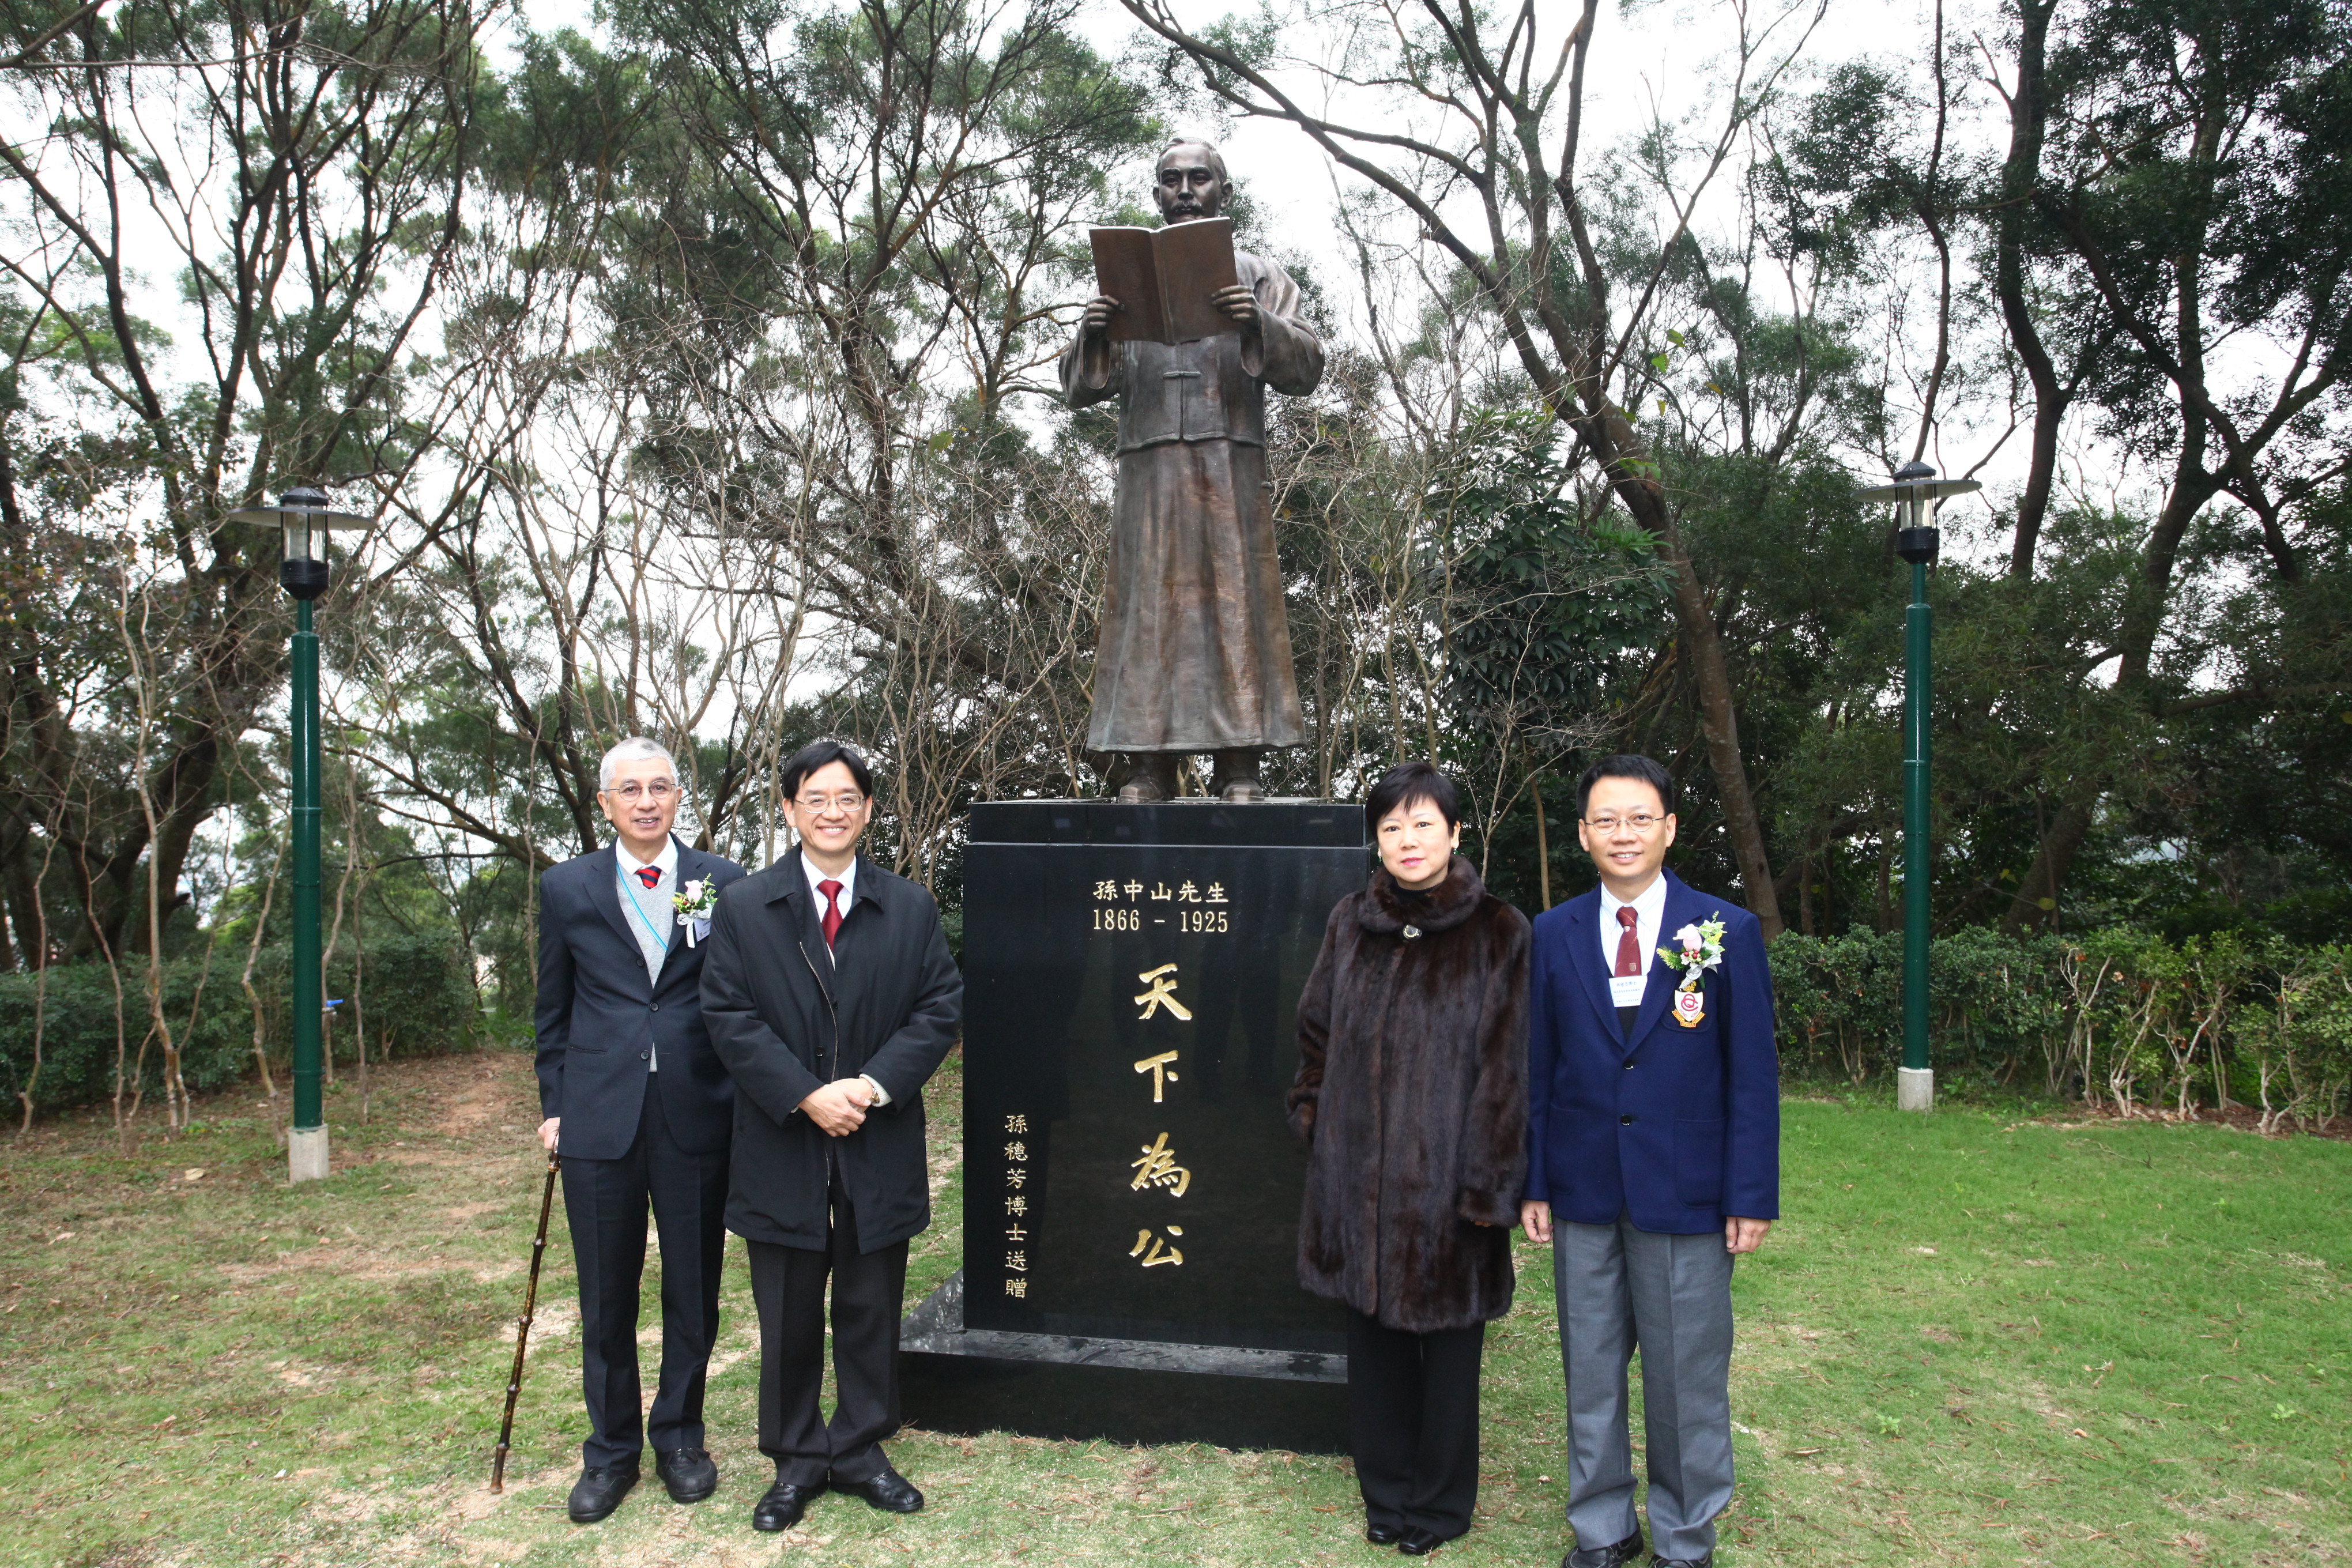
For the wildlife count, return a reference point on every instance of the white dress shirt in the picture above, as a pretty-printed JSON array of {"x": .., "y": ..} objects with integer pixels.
[
  {"x": 847, "y": 878},
  {"x": 654, "y": 931},
  {"x": 1649, "y": 907}
]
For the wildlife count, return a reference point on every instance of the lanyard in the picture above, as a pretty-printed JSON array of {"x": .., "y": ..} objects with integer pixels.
[{"x": 637, "y": 909}]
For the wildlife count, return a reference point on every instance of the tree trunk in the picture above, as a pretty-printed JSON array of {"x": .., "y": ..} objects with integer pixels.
[
  {"x": 2052, "y": 861},
  {"x": 1719, "y": 723},
  {"x": 2019, "y": 175},
  {"x": 1543, "y": 841}
]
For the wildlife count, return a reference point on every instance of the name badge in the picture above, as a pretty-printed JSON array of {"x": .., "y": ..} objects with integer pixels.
[{"x": 1625, "y": 990}]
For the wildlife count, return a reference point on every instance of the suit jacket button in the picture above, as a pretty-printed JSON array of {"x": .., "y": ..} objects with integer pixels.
[
  {"x": 648, "y": 1056},
  {"x": 653, "y": 1006},
  {"x": 1625, "y": 1121},
  {"x": 1629, "y": 1067}
]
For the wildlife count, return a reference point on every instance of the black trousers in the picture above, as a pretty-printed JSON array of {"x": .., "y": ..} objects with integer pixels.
[
  {"x": 1412, "y": 1423},
  {"x": 869, "y": 1291},
  {"x": 606, "y": 1201}
]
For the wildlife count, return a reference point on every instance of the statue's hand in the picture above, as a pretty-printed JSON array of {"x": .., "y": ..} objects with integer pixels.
[
  {"x": 1239, "y": 302},
  {"x": 1099, "y": 310}
]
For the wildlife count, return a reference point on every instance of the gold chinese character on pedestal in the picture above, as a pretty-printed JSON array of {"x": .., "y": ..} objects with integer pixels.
[
  {"x": 1017, "y": 1150},
  {"x": 1163, "y": 1073},
  {"x": 1017, "y": 1288},
  {"x": 1016, "y": 1124},
  {"x": 1158, "y": 1168},
  {"x": 1158, "y": 1251},
  {"x": 1162, "y": 994}
]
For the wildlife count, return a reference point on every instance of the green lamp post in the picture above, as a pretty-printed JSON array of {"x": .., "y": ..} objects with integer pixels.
[
  {"x": 303, "y": 518},
  {"x": 1915, "y": 492}
]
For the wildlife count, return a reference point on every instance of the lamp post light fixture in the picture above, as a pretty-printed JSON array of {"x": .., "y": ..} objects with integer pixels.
[
  {"x": 1915, "y": 492},
  {"x": 303, "y": 518}
]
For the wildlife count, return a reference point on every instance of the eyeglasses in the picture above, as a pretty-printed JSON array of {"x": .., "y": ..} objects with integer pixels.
[
  {"x": 657, "y": 792},
  {"x": 1640, "y": 822},
  {"x": 844, "y": 803}
]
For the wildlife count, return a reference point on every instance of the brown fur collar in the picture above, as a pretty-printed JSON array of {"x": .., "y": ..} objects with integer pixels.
[{"x": 1442, "y": 907}]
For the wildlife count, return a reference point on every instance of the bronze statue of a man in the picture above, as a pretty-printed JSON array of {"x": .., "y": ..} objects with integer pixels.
[{"x": 1195, "y": 648}]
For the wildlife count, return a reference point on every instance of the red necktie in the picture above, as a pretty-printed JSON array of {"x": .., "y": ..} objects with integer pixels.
[
  {"x": 1629, "y": 944},
  {"x": 832, "y": 891},
  {"x": 650, "y": 876}
]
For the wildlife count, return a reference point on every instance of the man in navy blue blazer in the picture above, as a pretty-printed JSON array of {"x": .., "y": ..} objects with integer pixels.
[
  {"x": 645, "y": 1112},
  {"x": 1654, "y": 1160}
]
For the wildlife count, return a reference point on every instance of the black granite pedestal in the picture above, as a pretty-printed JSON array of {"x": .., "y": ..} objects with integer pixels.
[{"x": 1131, "y": 1188}]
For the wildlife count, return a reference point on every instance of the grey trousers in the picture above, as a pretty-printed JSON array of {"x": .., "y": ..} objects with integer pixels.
[{"x": 1620, "y": 1287}]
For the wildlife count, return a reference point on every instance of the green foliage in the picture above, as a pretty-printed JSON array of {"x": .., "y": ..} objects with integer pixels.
[
  {"x": 1541, "y": 607},
  {"x": 87, "y": 1028},
  {"x": 2123, "y": 1018},
  {"x": 417, "y": 997},
  {"x": 2302, "y": 1045},
  {"x": 1840, "y": 1002}
]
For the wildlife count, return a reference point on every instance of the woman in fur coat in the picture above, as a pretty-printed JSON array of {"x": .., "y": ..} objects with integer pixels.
[{"x": 1412, "y": 1098}]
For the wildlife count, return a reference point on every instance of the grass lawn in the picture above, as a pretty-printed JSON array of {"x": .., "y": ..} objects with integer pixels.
[{"x": 1973, "y": 1340}]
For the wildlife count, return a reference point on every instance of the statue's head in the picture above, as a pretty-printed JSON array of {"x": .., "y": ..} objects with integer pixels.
[{"x": 1189, "y": 181}]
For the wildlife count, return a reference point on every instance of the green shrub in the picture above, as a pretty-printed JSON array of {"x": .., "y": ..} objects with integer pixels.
[
  {"x": 81, "y": 1027},
  {"x": 2300, "y": 1044},
  {"x": 2126, "y": 1020},
  {"x": 1997, "y": 1003},
  {"x": 417, "y": 997}
]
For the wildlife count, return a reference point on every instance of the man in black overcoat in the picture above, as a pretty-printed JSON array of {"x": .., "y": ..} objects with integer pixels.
[
  {"x": 644, "y": 1111},
  {"x": 832, "y": 998}
]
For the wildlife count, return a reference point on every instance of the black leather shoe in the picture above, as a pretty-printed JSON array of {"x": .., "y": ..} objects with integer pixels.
[
  {"x": 600, "y": 1491},
  {"x": 1382, "y": 1534},
  {"x": 1623, "y": 1551},
  {"x": 1417, "y": 1542},
  {"x": 890, "y": 1491},
  {"x": 1706, "y": 1561},
  {"x": 688, "y": 1473},
  {"x": 780, "y": 1507}
]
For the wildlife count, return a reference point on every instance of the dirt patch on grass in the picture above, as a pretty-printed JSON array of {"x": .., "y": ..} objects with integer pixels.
[
  {"x": 467, "y": 1102},
  {"x": 344, "y": 1262},
  {"x": 2237, "y": 1118}
]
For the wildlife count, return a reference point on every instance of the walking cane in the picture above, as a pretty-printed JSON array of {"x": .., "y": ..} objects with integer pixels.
[{"x": 523, "y": 1328}]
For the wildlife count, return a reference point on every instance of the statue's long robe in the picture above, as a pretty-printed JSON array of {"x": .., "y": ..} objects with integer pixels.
[{"x": 1195, "y": 651}]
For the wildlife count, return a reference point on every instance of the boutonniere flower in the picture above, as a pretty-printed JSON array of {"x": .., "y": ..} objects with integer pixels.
[
  {"x": 1697, "y": 948},
  {"x": 694, "y": 902}
]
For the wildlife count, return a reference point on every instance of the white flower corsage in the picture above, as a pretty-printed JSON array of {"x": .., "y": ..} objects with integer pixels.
[
  {"x": 1697, "y": 948},
  {"x": 694, "y": 902}
]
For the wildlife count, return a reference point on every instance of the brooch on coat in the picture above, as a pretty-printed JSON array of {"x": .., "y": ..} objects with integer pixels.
[
  {"x": 1413, "y": 931},
  {"x": 1699, "y": 949}
]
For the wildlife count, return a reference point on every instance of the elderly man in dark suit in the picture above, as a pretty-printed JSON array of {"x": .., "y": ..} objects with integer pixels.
[
  {"x": 832, "y": 998},
  {"x": 645, "y": 1111},
  {"x": 1654, "y": 1132}
]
